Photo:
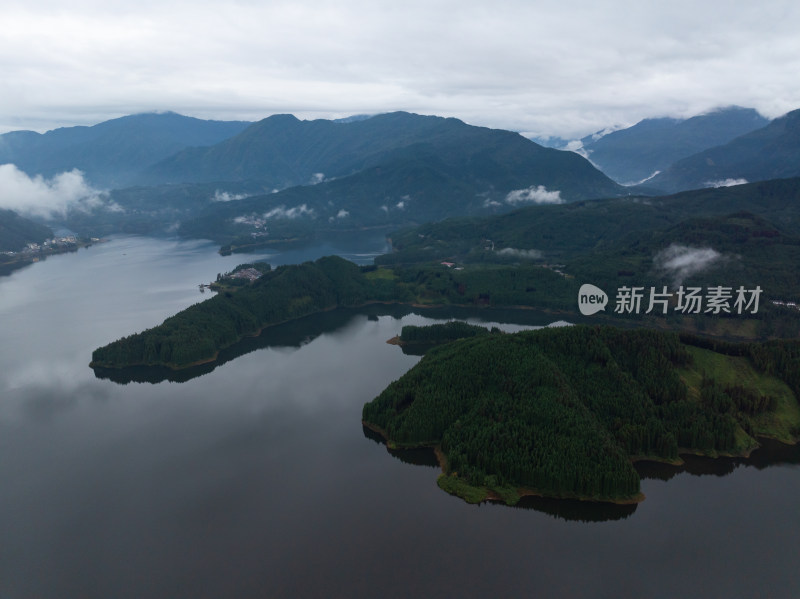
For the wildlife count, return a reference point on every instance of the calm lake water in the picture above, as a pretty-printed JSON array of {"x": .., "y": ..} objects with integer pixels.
[{"x": 256, "y": 478}]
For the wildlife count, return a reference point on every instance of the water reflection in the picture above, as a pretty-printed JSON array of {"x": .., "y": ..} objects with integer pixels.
[
  {"x": 577, "y": 511},
  {"x": 771, "y": 453},
  {"x": 294, "y": 334},
  {"x": 299, "y": 332},
  {"x": 564, "y": 509},
  {"x": 253, "y": 481}
]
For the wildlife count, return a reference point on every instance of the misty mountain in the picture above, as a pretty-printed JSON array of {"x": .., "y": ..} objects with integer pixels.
[
  {"x": 282, "y": 151},
  {"x": 636, "y": 153},
  {"x": 457, "y": 171},
  {"x": 112, "y": 153},
  {"x": 286, "y": 178},
  {"x": 768, "y": 153},
  {"x": 16, "y": 231}
]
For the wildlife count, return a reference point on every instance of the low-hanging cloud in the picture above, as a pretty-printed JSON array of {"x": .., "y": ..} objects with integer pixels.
[
  {"x": 681, "y": 261},
  {"x": 225, "y": 196},
  {"x": 525, "y": 254},
  {"x": 726, "y": 182},
  {"x": 291, "y": 213},
  {"x": 535, "y": 194},
  {"x": 46, "y": 198}
]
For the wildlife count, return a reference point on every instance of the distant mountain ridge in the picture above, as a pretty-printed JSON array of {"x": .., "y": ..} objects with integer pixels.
[
  {"x": 282, "y": 151},
  {"x": 636, "y": 153},
  {"x": 298, "y": 177},
  {"x": 771, "y": 152},
  {"x": 389, "y": 170},
  {"x": 114, "y": 152}
]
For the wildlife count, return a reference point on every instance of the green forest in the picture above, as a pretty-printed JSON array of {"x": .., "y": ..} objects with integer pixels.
[
  {"x": 515, "y": 260},
  {"x": 196, "y": 334},
  {"x": 288, "y": 292},
  {"x": 563, "y": 412},
  {"x": 442, "y": 333}
]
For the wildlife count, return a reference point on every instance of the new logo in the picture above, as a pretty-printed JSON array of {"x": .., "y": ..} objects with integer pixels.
[{"x": 591, "y": 299}]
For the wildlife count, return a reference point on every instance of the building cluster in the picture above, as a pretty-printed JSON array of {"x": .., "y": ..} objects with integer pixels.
[
  {"x": 251, "y": 274},
  {"x": 56, "y": 243}
]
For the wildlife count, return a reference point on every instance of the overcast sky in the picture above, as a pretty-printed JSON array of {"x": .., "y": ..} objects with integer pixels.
[{"x": 542, "y": 67}]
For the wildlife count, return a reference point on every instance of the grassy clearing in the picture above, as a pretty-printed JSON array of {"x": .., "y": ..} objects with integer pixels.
[
  {"x": 729, "y": 371},
  {"x": 460, "y": 488},
  {"x": 380, "y": 273}
]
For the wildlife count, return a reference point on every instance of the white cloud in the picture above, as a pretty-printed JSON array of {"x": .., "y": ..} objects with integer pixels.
[
  {"x": 224, "y": 196},
  {"x": 525, "y": 254},
  {"x": 401, "y": 205},
  {"x": 317, "y": 178},
  {"x": 535, "y": 194},
  {"x": 342, "y": 214},
  {"x": 46, "y": 198},
  {"x": 291, "y": 213},
  {"x": 92, "y": 60},
  {"x": 726, "y": 183},
  {"x": 577, "y": 147},
  {"x": 646, "y": 179},
  {"x": 681, "y": 261}
]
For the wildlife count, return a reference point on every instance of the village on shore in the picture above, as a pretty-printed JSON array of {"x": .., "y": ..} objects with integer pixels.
[{"x": 32, "y": 252}]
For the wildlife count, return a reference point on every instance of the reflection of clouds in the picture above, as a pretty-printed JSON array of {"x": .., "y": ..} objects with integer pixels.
[
  {"x": 60, "y": 374},
  {"x": 43, "y": 400},
  {"x": 40, "y": 389}
]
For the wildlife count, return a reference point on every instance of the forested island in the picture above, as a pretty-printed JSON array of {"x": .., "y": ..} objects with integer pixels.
[
  {"x": 439, "y": 333},
  {"x": 564, "y": 412}
]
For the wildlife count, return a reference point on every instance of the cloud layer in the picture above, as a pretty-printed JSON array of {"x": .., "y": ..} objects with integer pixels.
[
  {"x": 513, "y": 64},
  {"x": 226, "y": 196},
  {"x": 726, "y": 183},
  {"x": 46, "y": 198}
]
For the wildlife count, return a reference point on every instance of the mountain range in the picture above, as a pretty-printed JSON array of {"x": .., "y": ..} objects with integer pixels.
[
  {"x": 282, "y": 151},
  {"x": 286, "y": 178},
  {"x": 637, "y": 153},
  {"x": 388, "y": 170},
  {"x": 112, "y": 153},
  {"x": 771, "y": 152},
  {"x": 728, "y": 146}
]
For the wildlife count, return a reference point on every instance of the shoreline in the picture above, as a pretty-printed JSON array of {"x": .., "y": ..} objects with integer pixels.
[
  {"x": 256, "y": 333},
  {"x": 176, "y": 367},
  {"x": 495, "y": 497},
  {"x": 490, "y": 494}
]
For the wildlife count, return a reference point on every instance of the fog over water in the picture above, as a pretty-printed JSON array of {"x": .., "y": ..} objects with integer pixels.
[{"x": 256, "y": 479}]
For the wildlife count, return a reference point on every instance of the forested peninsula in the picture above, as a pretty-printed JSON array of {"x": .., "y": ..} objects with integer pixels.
[
  {"x": 564, "y": 412},
  {"x": 197, "y": 334}
]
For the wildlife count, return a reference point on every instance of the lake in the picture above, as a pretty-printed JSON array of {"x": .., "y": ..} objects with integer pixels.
[{"x": 255, "y": 478}]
